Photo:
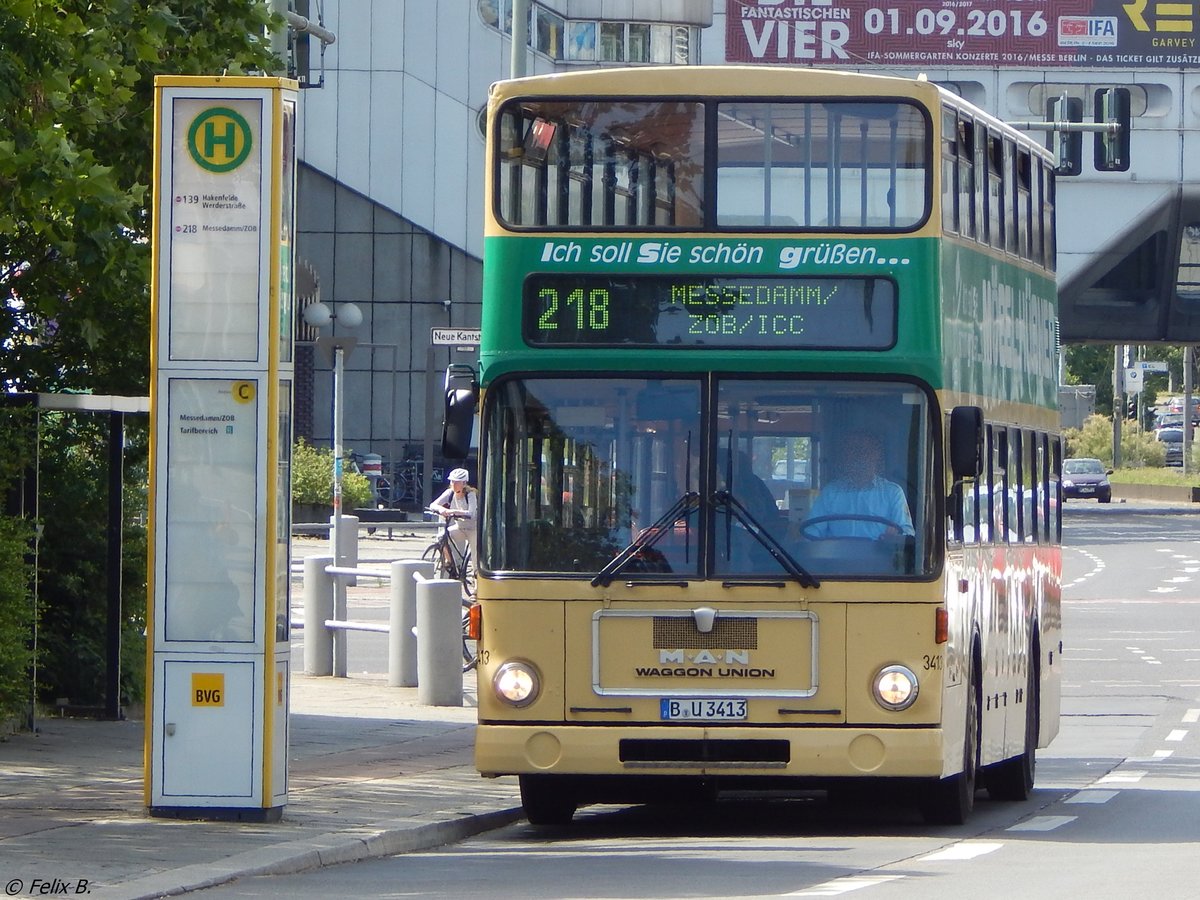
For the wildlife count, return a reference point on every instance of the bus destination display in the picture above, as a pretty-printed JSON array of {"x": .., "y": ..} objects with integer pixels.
[{"x": 848, "y": 313}]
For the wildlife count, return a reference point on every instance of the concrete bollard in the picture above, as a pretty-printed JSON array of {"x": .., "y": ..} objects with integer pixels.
[
  {"x": 346, "y": 555},
  {"x": 402, "y": 619},
  {"x": 439, "y": 642},
  {"x": 318, "y": 606},
  {"x": 346, "y": 551}
]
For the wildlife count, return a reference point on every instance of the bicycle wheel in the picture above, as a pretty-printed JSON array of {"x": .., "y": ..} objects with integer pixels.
[
  {"x": 470, "y": 648},
  {"x": 436, "y": 554},
  {"x": 467, "y": 576}
]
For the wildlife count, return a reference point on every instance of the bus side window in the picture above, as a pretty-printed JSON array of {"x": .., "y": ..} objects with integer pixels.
[
  {"x": 950, "y": 172},
  {"x": 1004, "y": 510},
  {"x": 966, "y": 178}
]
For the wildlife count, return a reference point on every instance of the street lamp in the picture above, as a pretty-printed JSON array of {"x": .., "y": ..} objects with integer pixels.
[{"x": 319, "y": 315}]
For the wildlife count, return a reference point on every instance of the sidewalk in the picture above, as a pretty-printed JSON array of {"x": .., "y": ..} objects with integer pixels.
[{"x": 371, "y": 773}]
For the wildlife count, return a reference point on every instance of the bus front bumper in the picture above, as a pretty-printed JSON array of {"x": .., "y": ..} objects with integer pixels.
[{"x": 813, "y": 752}]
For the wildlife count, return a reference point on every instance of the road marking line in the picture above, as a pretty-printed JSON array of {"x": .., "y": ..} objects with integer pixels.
[
  {"x": 1192, "y": 715},
  {"x": 1177, "y": 735},
  {"x": 1163, "y": 754},
  {"x": 843, "y": 885},
  {"x": 961, "y": 851},
  {"x": 1042, "y": 823},
  {"x": 1131, "y": 777},
  {"x": 1092, "y": 796}
]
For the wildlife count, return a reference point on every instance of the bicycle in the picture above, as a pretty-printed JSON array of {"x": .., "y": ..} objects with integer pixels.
[{"x": 449, "y": 562}]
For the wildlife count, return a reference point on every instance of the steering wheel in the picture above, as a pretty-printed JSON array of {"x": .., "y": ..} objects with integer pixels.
[{"x": 846, "y": 517}]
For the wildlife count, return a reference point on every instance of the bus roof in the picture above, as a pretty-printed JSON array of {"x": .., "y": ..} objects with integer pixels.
[
  {"x": 713, "y": 81},
  {"x": 738, "y": 81}
]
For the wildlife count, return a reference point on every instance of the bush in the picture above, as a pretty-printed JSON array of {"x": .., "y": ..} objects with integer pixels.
[
  {"x": 312, "y": 479},
  {"x": 72, "y": 561},
  {"x": 1138, "y": 448},
  {"x": 16, "y": 620}
]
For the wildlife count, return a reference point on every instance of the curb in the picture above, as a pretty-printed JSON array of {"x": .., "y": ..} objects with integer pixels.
[
  {"x": 389, "y": 839},
  {"x": 1160, "y": 492}
]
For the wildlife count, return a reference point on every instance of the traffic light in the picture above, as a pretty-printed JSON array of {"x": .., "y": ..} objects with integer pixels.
[
  {"x": 1112, "y": 149},
  {"x": 1067, "y": 146},
  {"x": 1131, "y": 408}
]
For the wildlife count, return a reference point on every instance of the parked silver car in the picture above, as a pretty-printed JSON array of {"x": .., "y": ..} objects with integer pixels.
[{"x": 1172, "y": 440}]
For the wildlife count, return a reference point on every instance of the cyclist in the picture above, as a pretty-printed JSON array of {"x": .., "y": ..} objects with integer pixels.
[{"x": 458, "y": 505}]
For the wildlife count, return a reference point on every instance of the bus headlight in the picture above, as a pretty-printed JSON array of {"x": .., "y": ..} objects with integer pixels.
[
  {"x": 517, "y": 682},
  {"x": 895, "y": 688}
]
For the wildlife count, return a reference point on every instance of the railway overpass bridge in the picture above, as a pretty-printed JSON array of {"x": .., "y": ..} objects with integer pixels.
[{"x": 1128, "y": 239}]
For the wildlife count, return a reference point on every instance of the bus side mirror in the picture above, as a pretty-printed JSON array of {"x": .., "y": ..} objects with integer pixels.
[
  {"x": 462, "y": 395},
  {"x": 966, "y": 442}
]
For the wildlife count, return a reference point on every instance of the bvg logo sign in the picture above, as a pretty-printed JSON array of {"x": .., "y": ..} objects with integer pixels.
[
  {"x": 208, "y": 689},
  {"x": 219, "y": 139}
]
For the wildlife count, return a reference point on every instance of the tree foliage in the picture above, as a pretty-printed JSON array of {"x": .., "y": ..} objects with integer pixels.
[
  {"x": 76, "y": 138},
  {"x": 76, "y": 164}
]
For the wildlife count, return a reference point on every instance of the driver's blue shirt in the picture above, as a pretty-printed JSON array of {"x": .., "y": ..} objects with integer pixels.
[{"x": 881, "y": 498}]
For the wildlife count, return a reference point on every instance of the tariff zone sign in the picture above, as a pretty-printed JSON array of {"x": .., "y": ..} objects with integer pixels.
[{"x": 219, "y": 139}]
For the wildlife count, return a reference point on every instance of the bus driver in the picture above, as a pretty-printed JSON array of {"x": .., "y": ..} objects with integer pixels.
[{"x": 859, "y": 502}]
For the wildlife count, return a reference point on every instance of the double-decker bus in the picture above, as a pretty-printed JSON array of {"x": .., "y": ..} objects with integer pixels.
[{"x": 768, "y": 440}]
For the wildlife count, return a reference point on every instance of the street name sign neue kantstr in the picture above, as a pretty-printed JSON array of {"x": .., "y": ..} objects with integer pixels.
[
  {"x": 221, "y": 413},
  {"x": 442, "y": 337}
]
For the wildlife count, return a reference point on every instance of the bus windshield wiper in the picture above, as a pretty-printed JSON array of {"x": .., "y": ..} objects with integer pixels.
[
  {"x": 726, "y": 500},
  {"x": 687, "y": 504}
]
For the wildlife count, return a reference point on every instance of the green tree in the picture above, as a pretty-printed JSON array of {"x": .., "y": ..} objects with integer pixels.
[
  {"x": 1092, "y": 364},
  {"x": 76, "y": 141},
  {"x": 76, "y": 132}
]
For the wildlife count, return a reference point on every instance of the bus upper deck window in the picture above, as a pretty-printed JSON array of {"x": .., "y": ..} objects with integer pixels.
[{"x": 845, "y": 165}]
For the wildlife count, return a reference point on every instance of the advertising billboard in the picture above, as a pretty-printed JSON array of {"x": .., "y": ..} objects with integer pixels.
[{"x": 970, "y": 33}]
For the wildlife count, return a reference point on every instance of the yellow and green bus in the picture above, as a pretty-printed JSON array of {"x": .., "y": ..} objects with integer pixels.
[{"x": 768, "y": 440}]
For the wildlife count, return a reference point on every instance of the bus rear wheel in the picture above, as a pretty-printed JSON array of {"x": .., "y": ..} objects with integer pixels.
[
  {"x": 950, "y": 801},
  {"x": 546, "y": 801}
]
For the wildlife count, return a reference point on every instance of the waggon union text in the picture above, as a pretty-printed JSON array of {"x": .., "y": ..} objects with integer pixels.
[{"x": 699, "y": 672}]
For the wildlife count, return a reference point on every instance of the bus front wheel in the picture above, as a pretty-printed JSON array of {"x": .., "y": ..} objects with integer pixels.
[
  {"x": 546, "y": 801},
  {"x": 950, "y": 801}
]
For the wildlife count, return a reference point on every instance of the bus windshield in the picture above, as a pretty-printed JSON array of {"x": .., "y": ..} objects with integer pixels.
[
  {"x": 729, "y": 477},
  {"x": 797, "y": 165}
]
